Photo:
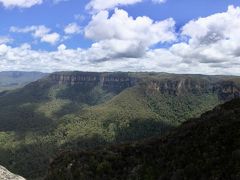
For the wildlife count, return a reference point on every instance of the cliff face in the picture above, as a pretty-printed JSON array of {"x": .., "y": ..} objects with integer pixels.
[
  {"x": 108, "y": 81},
  {"x": 225, "y": 89},
  {"x": 176, "y": 85}
]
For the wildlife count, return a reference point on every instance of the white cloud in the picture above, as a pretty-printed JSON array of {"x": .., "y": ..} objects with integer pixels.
[
  {"x": 62, "y": 47},
  {"x": 124, "y": 27},
  {"x": 160, "y": 60},
  {"x": 5, "y": 40},
  {"x": 41, "y": 32},
  {"x": 159, "y": 1},
  {"x": 122, "y": 35},
  {"x": 20, "y": 3},
  {"x": 213, "y": 40},
  {"x": 98, "y": 5},
  {"x": 72, "y": 28},
  {"x": 37, "y": 31},
  {"x": 3, "y": 49},
  {"x": 25, "y": 3},
  {"x": 207, "y": 45},
  {"x": 51, "y": 38},
  {"x": 24, "y": 58}
]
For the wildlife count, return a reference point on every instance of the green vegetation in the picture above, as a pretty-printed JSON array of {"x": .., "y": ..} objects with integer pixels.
[
  {"x": 204, "y": 148},
  {"x": 47, "y": 117}
]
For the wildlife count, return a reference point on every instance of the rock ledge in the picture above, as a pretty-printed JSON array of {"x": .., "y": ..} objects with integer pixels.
[{"x": 7, "y": 175}]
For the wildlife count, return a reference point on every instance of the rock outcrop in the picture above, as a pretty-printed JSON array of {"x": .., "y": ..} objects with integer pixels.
[{"x": 7, "y": 175}]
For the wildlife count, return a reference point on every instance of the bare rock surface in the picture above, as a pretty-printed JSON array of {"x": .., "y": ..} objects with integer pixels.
[{"x": 7, "y": 175}]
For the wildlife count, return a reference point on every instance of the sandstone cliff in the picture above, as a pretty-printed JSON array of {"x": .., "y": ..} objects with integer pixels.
[
  {"x": 225, "y": 87},
  {"x": 108, "y": 81}
]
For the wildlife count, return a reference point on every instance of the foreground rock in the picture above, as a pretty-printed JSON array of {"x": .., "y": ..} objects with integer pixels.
[{"x": 7, "y": 175}]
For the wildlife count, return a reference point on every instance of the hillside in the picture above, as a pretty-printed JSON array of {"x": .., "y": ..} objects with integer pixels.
[
  {"x": 204, "y": 148},
  {"x": 79, "y": 110},
  {"x": 15, "y": 79}
]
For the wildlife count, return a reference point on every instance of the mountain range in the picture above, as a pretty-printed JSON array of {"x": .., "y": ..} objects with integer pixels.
[
  {"x": 68, "y": 111},
  {"x": 16, "y": 79}
]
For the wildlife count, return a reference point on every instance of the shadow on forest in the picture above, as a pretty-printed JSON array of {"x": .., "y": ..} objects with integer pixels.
[
  {"x": 18, "y": 108},
  {"x": 32, "y": 160},
  {"x": 143, "y": 128}
]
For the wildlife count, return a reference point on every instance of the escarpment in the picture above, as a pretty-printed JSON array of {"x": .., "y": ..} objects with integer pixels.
[
  {"x": 177, "y": 85},
  {"x": 225, "y": 89},
  {"x": 108, "y": 81}
]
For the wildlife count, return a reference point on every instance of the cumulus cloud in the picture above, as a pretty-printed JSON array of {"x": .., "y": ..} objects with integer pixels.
[
  {"x": 98, "y": 5},
  {"x": 160, "y": 60},
  {"x": 122, "y": 26},
  {"x": 120, "y": 35},
  {"x": 24, "y": 58},
  {"x": 62, "y": 47},
  {"x": 213, "y": 40},
  {"x": 72, "y": 28},
  {"x": 20, "y": 3},
  {"x": 206, "y": 45},
  {"x": 41, "y": 32},
  {"x": 51, "y": 38}
]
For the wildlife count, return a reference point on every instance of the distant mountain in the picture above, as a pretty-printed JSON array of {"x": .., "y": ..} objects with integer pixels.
[
  {"x": 15, "y": 79},
  {"x": 204, "y": 148},
  {"x": 73, "y": 110}
]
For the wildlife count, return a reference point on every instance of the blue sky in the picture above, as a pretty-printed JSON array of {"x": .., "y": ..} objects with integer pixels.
[
  {"x": 56, "y": 16},
  {"x": 127, "y": 35}
]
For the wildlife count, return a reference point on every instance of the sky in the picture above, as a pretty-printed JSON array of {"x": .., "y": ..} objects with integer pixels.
[{"x": 175, "y": 36}]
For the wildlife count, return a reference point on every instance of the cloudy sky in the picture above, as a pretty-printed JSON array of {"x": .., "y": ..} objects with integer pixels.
[{"x": 177, "y": 36}]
